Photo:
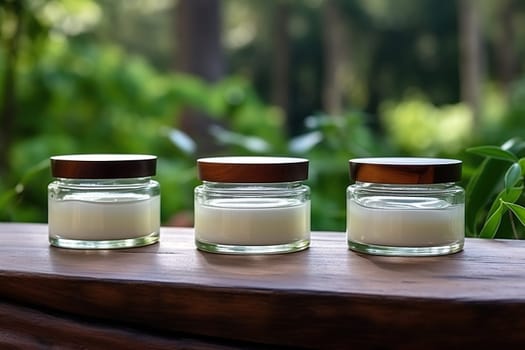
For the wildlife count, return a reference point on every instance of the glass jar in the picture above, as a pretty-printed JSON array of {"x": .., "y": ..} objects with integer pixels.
[
  {"x": 405, "y": 206},
  {"x": 103, "y": 201},
  {"x": 252, "y": 205}
]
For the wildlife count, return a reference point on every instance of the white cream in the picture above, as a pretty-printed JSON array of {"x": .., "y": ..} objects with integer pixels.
[
  {"x": 406, "y": 227},
  {"x": 249, "y": 222},
  {"x": 123, "y": 218}
]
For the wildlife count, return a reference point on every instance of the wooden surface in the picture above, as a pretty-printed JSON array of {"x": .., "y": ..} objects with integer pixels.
[{"x": 170, "y": 295}]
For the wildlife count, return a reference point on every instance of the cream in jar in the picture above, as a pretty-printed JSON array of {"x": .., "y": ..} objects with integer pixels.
[
  {"x": 405, "y": 206},
  {"x": 103, "y": 201},
  {"x": 251, "y": 205}
]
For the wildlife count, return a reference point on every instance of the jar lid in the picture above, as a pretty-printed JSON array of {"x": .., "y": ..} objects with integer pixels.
[
  {"x": 252, "y": 169},
  {"x": 405, "y": 170},
  {"x": 103, "y": 166}
]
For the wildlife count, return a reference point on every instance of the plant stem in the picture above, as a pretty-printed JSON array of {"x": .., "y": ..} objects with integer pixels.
[{"x": 513, "y": 225}]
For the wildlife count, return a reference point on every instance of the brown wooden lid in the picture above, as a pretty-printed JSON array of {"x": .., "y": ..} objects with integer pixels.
[
  {"x": 252, "y": 169},
  {"x": 103, "y": 166},
  {"x": 405, "y": 170}
]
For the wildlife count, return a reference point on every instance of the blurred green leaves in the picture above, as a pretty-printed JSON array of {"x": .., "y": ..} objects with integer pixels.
[
  {"x": 417, "y": 126},
  {"x": 81, "y": 97},
  {"x": 497, "y": 185}
]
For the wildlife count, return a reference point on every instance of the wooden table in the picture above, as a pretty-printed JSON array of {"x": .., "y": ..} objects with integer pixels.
[{"x": 170, "y": 295}]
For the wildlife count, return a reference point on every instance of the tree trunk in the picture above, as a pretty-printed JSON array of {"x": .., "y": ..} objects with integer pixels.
[
  {"x": 470, "y": 56},
  {"x": 199, "y": 49},
  {"x": 506, "y": 57},
  {"x": 199, "y": 52},
  {"x": 334, "y": 58},
  {"x": 281, "y": 58}
]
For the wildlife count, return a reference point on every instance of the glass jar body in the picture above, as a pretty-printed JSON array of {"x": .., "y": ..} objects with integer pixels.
[
  {"x": 103, "y": 213},
  {"x": 252, "y": 218},
  {"x": 405, "y": 220}
]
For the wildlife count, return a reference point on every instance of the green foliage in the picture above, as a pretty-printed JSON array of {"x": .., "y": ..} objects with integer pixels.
[
  {"x": 81, "y": 98},
  {"x": 517, "y": 210},
  {"x": 496, "y": 189},
  {"x": 77, "y": 97},
  {"x": 493, "y": 222},
  {"x": 419, "y": 127},
  {"x": 329, "y": 142},
  {"x": 493, "y": 152}
]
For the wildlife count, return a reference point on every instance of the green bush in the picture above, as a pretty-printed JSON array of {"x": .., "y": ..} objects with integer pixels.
[{"x": 82, "y": 98}]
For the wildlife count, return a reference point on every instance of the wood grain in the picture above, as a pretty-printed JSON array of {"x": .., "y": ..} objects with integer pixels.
[
  {"x": 24, "y": 328},
  {"x": 324, "y": 297}
]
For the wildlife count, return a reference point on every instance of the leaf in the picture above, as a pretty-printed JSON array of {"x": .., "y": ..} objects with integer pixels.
[
  {"x": 493, "y": 152},
  {"x": 518, "y": 210},
  {"x": 512, "y": 176},
  {"x": 487, "y": 181},
  {"x": 492, "y": 224},
  {"x": 483, "y": 185},
  {"x": 522, "y": 165},
  {"x": 509, "y": 196}
]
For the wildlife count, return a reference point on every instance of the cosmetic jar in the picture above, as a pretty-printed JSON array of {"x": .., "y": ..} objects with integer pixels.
[
  {"x": 103, "y": 201},
  {"x": 252, "y": 205},
  {"x": 405, "y": 206}
]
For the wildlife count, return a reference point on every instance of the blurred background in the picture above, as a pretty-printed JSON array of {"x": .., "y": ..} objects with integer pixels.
[{"x": 328, "y": 80}]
